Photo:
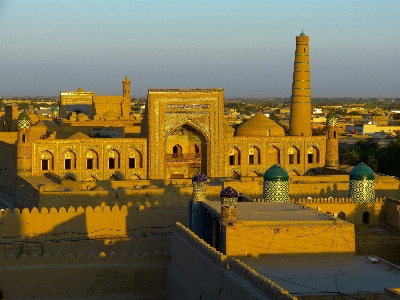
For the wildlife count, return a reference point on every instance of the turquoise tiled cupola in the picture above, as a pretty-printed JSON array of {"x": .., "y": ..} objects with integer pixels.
[
  {"x": 276, "y": 184},
  {"x": 361, "y": 185}
]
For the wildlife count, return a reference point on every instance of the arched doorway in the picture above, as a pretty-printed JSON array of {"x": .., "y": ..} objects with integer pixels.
[{"x": 185, "y": 152}]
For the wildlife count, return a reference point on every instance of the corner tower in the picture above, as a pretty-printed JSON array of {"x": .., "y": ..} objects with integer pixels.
[{"x": 300, "y": 104}]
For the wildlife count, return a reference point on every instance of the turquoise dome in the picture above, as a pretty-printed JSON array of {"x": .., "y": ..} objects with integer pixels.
[
  {"x": 302, "y": 33},
  {"x": 276, "y": 173},
  {"x": 23, "y": 116},
  {"x": 54, "y": 109},
  {"x": 362, "y": 172}
]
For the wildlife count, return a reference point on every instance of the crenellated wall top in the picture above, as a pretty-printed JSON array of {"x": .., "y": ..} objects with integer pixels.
[{"x": 90, "y": 209}]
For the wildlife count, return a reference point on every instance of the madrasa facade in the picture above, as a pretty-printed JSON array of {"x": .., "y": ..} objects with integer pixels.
[{"x": 183, "y": 132}]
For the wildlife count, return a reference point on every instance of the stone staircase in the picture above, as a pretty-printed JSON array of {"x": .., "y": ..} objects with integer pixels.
[{"x": 32, "y": 248}]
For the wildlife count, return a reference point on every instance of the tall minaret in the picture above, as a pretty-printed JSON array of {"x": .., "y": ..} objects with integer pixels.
[
  {"x": 300, "y": 109},
  {"x": 126, "y": 94}
]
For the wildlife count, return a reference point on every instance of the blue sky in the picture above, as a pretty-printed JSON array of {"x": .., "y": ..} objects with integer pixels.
[{"x": 245, "y": 47}]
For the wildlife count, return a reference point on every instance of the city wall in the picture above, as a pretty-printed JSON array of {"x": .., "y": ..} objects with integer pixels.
[
  {"x": 193, "y": 261},
  {"x": 130, "y": 193},
  {"x": 98, "y": 222},
  {"x": 88, "y": 276}
]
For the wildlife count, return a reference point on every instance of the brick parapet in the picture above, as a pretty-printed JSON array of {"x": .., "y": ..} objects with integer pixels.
[
  {"x": 274, "y": 291},
  {"x": 200, "y": 245}
]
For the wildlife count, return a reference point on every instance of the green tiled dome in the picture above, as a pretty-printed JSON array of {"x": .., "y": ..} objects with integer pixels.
[
  {"x": 23, "y": 116},
  {"x": 302, "y": 33},
  {"x": 54, "y": 109},
  {"x": 332, "y": 115},
  {"x": 362, "y": 172},
  {"x": 276, "y": 173}
]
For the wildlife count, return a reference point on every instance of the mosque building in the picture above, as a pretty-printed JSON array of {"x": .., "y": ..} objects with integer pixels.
[{"x": 103, "y": 208}]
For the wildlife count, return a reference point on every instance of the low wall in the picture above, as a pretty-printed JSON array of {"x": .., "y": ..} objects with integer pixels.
[
  {"x": 198, "y": 271},
  {"x": 91, "y": 277}
]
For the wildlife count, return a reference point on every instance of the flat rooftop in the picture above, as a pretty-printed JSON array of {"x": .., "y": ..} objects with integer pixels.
[
  {"x": 326, "y": 274},
  {"x": 271, "y": 211}
]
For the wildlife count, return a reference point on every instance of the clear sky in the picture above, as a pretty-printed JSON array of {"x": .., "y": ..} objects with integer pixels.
[{"x": 246, "y": 47}]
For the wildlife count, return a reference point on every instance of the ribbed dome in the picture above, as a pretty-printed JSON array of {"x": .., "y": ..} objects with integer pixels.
[
  {"x": 361, "y": 172},
  {"x": 229, "y": 192},
  {"x": 260, "y": 125},
  {"x": 276, "y": 173},
  {"x": 199, "y": 177}
]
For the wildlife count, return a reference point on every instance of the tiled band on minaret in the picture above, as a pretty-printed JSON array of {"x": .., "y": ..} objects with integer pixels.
[
  {"x": 300, "y": 109},
  {"x": 332, "y": 141}
]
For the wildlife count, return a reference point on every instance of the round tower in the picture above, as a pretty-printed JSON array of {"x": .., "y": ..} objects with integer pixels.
[
  {"x": 276, "y": 184},
  {"x": 229, "y": 198},
  {"x": 24, "y": 149},
  {"x": 332, "y": 141},
  {"x": 300, "y": 104},
  {"x": 54, "y": 113},
  {"x": 361, "y": 185}
]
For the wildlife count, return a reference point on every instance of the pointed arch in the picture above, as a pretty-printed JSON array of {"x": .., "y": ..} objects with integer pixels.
[
  {"x": 234, "y": 157},
  {"x": 92, "y": 160},
  {"x": 47, "y": 160},
  {"x": 113, "y": 159},
  {"x": 69, "y": 160},
  {"x": 293, "y": 155},
  {"x": 273, "y": 156},
  {"x": 313, "y": 155},
  {"x": 135, "y": 159},
  {"x": 254, "y": 156},
  {"x": 365, "y": 217}
]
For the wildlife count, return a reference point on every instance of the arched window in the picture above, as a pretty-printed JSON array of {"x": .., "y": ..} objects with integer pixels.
[
  {"x": 46, "y": 161},
  {"x": 177, "y": 150},
  {"x": 294, "y": 155},
  {"x": 234, "y": 157},
  {"x": 23, "y": 138},
  {"x": 135, "y": 159},
  {"x": 92, "y": 160},
  {"x": 365, "y": 217},
  {"x": 254, "y": 156},
  {"x": 69, "y": 160},
  {"x": 313, "y": 155},
  {"x": 113, "y": 159}
]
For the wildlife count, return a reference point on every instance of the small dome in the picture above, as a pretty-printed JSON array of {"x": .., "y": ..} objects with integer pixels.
[
  {"x": 23, "y": 116},
  {"x": 302, "y": 33},
  {"x": 199, "y": 177},
  {"x": 111, "y": 114},
  {"x": 54, "y": 109},
  {"x": 79, "y": 136},
  {"x": 229, "y": 192},
  {"x": 82, "y": 117},
  {"x": 276, "y": 173},
  {"x": 362, "y": 172},
  {"x": 260, "y": 125}
]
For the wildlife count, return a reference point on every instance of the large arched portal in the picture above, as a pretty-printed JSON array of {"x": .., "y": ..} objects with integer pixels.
[{"x": 185, "y": 153}]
